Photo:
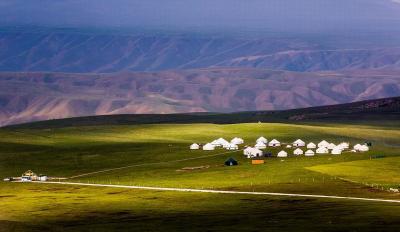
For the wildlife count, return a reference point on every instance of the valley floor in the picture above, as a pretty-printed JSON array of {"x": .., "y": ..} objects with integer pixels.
[{"x": 148, "y": 151}]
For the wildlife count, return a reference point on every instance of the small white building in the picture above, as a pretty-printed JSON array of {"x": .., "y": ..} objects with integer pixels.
[
  {"x": 237, "y": 141},
  {"x": 208, "y": 147},
  {"x": 194, "y": 146},
  {"x": 299, "y": 143},
  {"x": 282, "y": 154},
  {"x": 274, "y": 143},
  {"x": 323, "y": 143},
  {"x": 262, "y": 140},
  {"x": 311, "y": 145},
  {"x": 260, "y": 146},
  {"x": 309, "y": 153},
  {"x": 322, "y": 150},
  {"x": 298, "y": 151}
]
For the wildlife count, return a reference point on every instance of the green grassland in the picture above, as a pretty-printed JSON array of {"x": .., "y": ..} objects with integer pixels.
[{"x": 160, "y": 151}]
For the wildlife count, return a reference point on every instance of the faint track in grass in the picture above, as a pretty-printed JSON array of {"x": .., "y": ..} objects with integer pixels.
[
  {"x": 226, "y": 192},
  {"x": 154, "y": 163}
]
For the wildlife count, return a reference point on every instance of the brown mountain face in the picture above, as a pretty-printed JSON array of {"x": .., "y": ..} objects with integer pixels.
[{"x": 39, "y": 96}]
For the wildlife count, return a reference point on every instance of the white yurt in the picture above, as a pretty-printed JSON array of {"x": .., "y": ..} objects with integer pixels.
[
  {"x": 357, "y": 147},
  {"x": 251, "y": 152},
  {"x": 331, "y": 146},
  {"x": 282, "y": 154},
  {"x": 309, "y": 153},
  {"x": 208, "y": 147},
  {"x": 232, "y": 146},
  {"x": 262, "y": 140},
  {"x": 363, "y": 148},
  {"x": 336, "y": 151},
  {"x": 344, "y": 145},
  {"x": 323, "y": 143},
  {"x": 215, "y": 143},
  {"x": 299, "y": 143},
  {"x": 288, "y": 146},
  {"x": 237, "y": 141},
  {"x": 311, "y": 145},
  {"x": 274, "y": 143},
  {"x": 322, "y": 150},
  {"x": 298, "y": 151},
  {"x": 194, "y": 146},
  {"x": 260, "y": 146}
]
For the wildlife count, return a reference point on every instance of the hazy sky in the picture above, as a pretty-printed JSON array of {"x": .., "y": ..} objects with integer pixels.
[{"x": 242, "y": 14}]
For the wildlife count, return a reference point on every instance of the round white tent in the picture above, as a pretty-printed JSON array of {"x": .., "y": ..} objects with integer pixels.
[
  {"x": 232, "y": 146},
  {"x": 299, "y": 143},
  {"x": 274, "y": 143},
  {"x": 208, "y": 147},
  {"x": 311, "y": 145},
  {"x": 323, "y": 143},
  {"x": 336, "y": 151},
  {"x": 309, "y": 153},
  {"x": 344, "y": 145},
  {"x": 322, "y": 150},
  {"x": 331, "y": 146},
  {"x": 282, "y": 154},
  {"x": 357, "y": 147},
  {"x": 251, "y": 152},
  {"x": 260, "y": 146},
  {"x": 194, "y": 146},
  {"x": 237, "y": 141},
  {"x": 262, "y": 140},
  {"x": 298, "y": 151},
  {"x": 363, "y": 148}
]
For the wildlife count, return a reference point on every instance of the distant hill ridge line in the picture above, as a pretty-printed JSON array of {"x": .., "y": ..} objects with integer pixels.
[
  {"x": 377, "y": 109},
  {"x": 39, "y": 96}
]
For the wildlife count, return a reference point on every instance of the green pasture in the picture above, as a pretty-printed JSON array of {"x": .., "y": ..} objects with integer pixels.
[{"x": 158, "y": 154}]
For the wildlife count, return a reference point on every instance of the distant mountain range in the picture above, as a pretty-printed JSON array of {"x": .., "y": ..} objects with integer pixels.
[
  {"x": 38, "y": 96},
  {"x": 57, "y": 73},
  {"x": 82, "y": 52}
]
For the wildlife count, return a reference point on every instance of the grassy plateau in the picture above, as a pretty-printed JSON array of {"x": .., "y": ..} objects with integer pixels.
[{"x": 160, "y": 157}]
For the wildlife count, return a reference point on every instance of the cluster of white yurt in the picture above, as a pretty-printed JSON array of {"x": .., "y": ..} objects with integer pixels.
[
  {"x": 221, "y": 142},
  {"x": 252, "y": 152}
]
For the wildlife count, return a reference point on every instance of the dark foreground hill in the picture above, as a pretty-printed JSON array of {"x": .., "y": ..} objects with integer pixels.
[{"x": 386, "y": 109}]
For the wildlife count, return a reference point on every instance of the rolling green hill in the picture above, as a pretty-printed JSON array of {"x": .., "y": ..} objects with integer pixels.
[{"x": 159, "y": 156}]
